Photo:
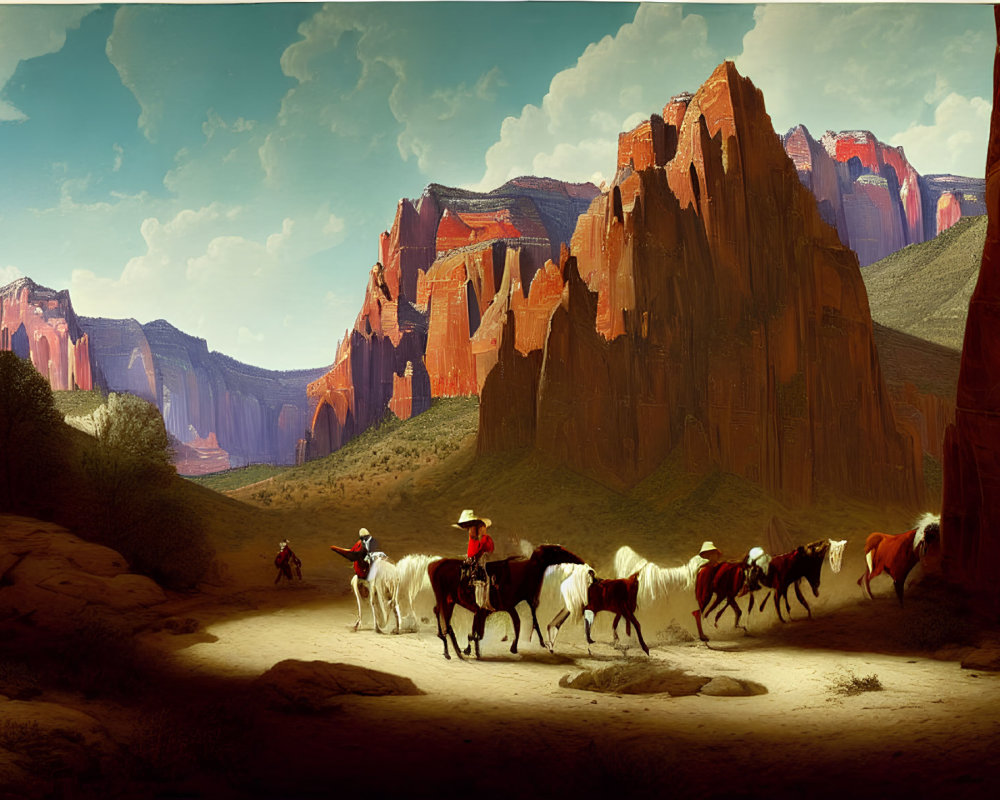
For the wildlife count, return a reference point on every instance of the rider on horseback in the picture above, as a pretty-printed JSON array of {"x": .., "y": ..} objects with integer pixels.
[
  {"x": 362, "y": 553},
  {"x": 480, "y": 546}
]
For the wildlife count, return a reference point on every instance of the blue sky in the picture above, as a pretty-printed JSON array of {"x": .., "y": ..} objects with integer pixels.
[{"x": 229, "y": 167}]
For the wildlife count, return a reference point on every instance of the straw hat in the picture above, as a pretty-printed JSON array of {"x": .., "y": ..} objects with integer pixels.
[
  {"x": 708, "y": 547},
  {"x": 468, "y": 517}
]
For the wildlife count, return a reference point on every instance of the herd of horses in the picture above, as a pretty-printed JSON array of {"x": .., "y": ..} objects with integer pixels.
[{"x": 639, "y": 584}]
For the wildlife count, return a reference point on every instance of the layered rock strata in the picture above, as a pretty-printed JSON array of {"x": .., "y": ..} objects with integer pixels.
[
  {"x": 450, "y": 256},
  {"x": 40, "y": 324},
  {"x": 971, "y": 514},
  {"x": 708, "y": 306}
]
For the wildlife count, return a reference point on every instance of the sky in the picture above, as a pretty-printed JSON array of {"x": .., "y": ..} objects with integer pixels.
[{"x": 229, "y": 168}]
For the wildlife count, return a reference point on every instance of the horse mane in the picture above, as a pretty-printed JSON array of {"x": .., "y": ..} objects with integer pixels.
[
  {"x": 627, "y": 561},
  {"x": 837, "y": 554},
  {"x": 574, "y": 588},
  {"x": 922, "y": 525},
  {"x": 656, "y": 581},
  {"x": 411, "y": 573}
]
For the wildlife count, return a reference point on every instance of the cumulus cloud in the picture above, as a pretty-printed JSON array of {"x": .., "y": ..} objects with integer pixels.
[
  {"x": 28, "y": 32},
  {"x": 955, "y": 143},
  {"x": 9, "y": 274},
  {"x": 573, "y": 133},
  {"x": 205, "y": 276},
  {"x": 865, "y": 66}
]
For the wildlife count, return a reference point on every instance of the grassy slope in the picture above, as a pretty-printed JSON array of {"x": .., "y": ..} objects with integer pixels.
[
  {"x": 78, "y": 403},
  {"x": 924, "y": 289},
  {"x": 407, "y": 481}
]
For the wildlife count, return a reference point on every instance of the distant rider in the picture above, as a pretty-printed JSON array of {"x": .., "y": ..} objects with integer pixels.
[
  {"x": 285, "y": 560},
  {"x": 480, "y": 546}
]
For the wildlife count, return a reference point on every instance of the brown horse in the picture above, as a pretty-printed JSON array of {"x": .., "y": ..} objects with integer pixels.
[
  {"x": 727, "y": 580},
  {"x": 897, "y": 554},
  {"x": 512, "y": 581},
  {"x": 786, "y": 570}
]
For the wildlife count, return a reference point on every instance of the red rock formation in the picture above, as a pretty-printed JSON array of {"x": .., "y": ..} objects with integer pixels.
[
  {"x": 971, "y": 513},
  {"x": 949, "y": 211},
  {"x": 201, "y": 456},
  {"x": 40, "y": 324},
  {"x": 738, "y": 330},
  {"x": 643, "y": 146}
]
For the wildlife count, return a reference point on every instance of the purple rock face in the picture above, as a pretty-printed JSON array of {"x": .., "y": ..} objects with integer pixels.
[
  {"x": 971, "y": 194},
  {"x": 257, "y": 415}
]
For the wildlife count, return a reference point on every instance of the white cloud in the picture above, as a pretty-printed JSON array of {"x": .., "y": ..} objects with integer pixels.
[
  {"x": 866, "y": 66},
  {"x": 573, "y": 134},
  {"x": 119, "y": 157},
  {"x": 956, "y": 142},
  {"x": 9, "y": 274},
  {"x": 202, "y": 272},
  {"x": 28, "y": 32}
]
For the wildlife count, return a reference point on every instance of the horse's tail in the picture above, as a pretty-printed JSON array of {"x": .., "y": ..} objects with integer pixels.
[
  {"x": 574, "y": 589},
  {"x": 628, "y": 561}
]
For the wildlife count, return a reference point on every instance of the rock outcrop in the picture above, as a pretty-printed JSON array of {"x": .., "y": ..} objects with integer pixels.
[
  {"x": 971, "y": 514},
  {"x": 49, "y": 576},
  {"x": 707, "y": 305},
  {"x": 40, "y": 324},
  {"x": 873, "y": 196},
  {"x": 450, "y": 257}
]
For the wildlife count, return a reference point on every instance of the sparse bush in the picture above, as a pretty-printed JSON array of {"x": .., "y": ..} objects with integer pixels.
[{"x": 850, "y": 684}]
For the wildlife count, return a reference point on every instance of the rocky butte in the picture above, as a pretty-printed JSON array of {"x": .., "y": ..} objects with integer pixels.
[
  {"x": 708, "y": 306},
  {"x": 873, "y": 196},
  {"x": 451, "y": 266},
  {"x": 971, "y": 513}
]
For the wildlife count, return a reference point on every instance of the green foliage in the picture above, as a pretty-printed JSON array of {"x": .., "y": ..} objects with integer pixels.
[
  {"x": 78, "y": 403},
  {"x": 32, "y": 439},
  {"x": 132, "y": 430},
  {"x": 236, "y": 478}
]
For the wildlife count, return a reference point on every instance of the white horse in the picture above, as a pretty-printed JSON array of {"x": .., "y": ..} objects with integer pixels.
[
  {"x": 836, "y": 554},
  {"x": 381, "y": 583},
  {"x": 656, "y": 582},
  {"x": 411, "y": 580},
  {"x": 573, "y": 588}
]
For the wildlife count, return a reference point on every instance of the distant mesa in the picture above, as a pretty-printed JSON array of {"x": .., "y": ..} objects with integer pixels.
[
  {"x": 873, "y": 196},
  {"x": 224, "y": 413}
]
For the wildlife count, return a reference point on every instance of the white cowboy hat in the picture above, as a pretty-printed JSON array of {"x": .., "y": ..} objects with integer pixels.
[
  {"x": 363, "y": 532},
  {"x": 708, "y": 547},
  {"x": 467, "y": 517}
]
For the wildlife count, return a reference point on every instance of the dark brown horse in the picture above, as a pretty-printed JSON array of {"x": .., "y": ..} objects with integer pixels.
[
  {"x": 725, "y": 581},
  {"x": 786, "y": 570},
  {"x": 584, "y": 591},
  {"x": 512, "y": 581}
]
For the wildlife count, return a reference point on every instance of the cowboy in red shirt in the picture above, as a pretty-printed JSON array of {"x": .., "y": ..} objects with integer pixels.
[
  {"x": 285, "y": 560},
  {"x": 480, "y": 546}
]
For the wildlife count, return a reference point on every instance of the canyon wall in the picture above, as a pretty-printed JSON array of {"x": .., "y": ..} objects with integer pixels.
[{"x": 971, "y": 514}]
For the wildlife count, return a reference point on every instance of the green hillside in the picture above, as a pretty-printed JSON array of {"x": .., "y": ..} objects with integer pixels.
[{"x": 924, "y": 289}]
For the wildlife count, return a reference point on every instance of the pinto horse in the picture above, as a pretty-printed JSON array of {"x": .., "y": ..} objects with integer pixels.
[
  {"x": 512, "y": 581},
  {"x": 583, "y": 592},
  {"x": 727, "y": 580},
  {"x": 786, "y": 570},
  {"x": 897, "y": 554}
]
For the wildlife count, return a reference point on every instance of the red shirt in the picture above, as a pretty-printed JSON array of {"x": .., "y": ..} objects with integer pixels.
[
  {"x": 484, "y": 544},
  {"x": 360, "y": 566}
]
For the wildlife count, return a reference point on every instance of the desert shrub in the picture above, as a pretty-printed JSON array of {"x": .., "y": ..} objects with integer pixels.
[{"x": 850, "y": 684}]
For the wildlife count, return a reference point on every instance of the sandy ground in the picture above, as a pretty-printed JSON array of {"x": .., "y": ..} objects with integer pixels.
[{"x": 504, "y": 727}]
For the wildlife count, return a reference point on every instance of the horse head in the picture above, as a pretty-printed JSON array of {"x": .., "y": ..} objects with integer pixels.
[
  {"x": 549, "y": 554},
  {"x": 928, "y": 533},
  {"x": 814, "y": 553},
  {"x": 756, "y": 564},
  {"x": 837, "y": 553}
]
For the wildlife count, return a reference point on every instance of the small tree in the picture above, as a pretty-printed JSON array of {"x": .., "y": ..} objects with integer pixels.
[{"x": 32, "y": 438}]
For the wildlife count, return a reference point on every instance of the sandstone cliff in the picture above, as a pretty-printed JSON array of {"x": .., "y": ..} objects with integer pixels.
[
  {"x": 450, "y": 257},
  {"x": 222, "y": 410},
  {"x": 873, "y": 196},
  {"x": 708, "y": 306},
  {"x": 971, "y": 514},
  {"x": 40, "y": 324}
]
